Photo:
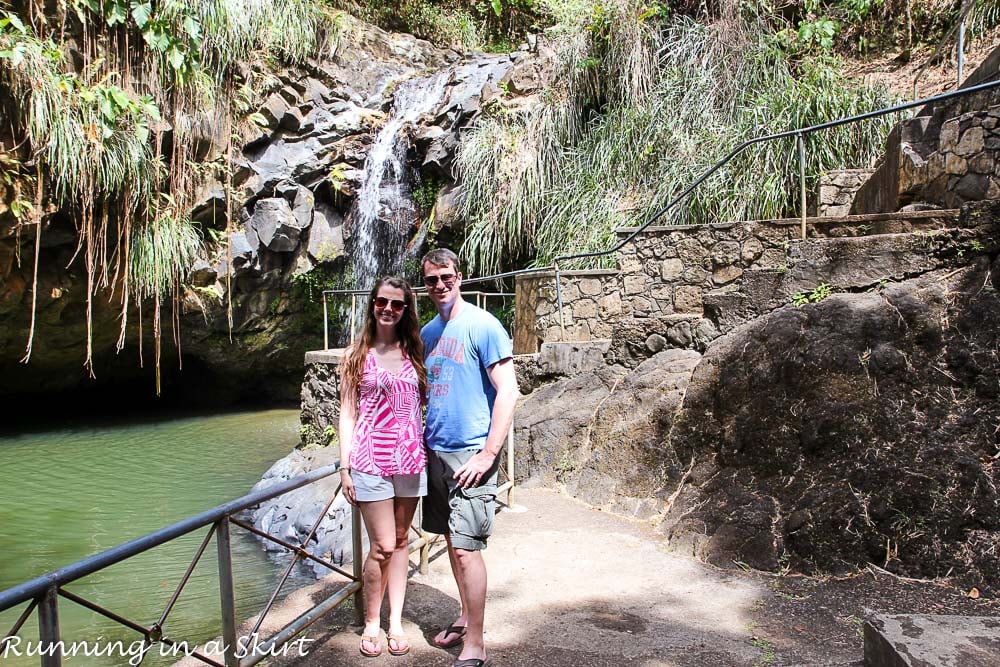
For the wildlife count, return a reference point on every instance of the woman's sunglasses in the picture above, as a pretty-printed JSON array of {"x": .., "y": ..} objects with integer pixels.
[
  {"x": 446, "y": 278},
  {"x": 397, "y": 305}
]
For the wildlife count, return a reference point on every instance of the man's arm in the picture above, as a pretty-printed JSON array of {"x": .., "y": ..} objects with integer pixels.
[{"x": 504, "y": 380}]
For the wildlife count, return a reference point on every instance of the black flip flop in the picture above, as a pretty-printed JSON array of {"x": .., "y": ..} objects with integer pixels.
[
  {"x": 453, "y": 630},
  {"x": 470, "y": 662}
]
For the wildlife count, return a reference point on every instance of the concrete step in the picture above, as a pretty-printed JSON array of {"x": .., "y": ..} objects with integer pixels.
[
  {"x": 900, "y": 222},
  {"x": 912, "y": 640}
]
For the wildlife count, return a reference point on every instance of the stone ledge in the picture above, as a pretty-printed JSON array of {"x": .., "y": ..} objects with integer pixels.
[
  {"x": 904, "y": 640},
  {"x": 868, "y": 217},
  {"x": 331, "y": 356},
  {"x": 572, "y": 357}
]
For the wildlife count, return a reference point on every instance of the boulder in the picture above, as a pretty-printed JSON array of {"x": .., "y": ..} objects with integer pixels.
[
  {"x": 275, "y": 224},
  {"x": 326, "y": 235},
  {"x": 853, "y": 430},
  {"x": 201, "y": 274}
]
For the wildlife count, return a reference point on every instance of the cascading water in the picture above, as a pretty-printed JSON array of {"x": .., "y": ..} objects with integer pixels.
[{"x": 385, "y": 211}]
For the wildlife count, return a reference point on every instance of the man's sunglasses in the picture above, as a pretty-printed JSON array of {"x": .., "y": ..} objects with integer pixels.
[
  {"x": 448, "y": 279},
  {"x": 397, "y": 305}
]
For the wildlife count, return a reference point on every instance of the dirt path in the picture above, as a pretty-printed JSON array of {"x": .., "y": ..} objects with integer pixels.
[{"x": 572, "y": 586}]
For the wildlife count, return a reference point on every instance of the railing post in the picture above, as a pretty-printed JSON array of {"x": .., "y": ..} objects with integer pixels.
[
  {"x": 48, "y": 627},
  {"x": 326, "y": 325},
  {"x": 425, "y": 545},
  {"x": 961, "y": 48},
  {"x": 510, "y": 464},
  {"x": 354, "y": 309},
  {"x": 425, "y": 552},
  {"x": 358, "y": 558},
  {"x": 227, "y": 592},
  {"x": 559, "y": 303},
  {"x": 802, "y": 178}
]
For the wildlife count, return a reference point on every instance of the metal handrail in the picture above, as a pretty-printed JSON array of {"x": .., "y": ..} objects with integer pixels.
[
  {"x": 44, "y": 591},
  {"x": 417, "y": 291},
  {"x": 799, "y": 135},
  {"x": 82, "y": 568}
]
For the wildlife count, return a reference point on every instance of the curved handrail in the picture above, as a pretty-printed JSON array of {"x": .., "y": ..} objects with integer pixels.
[
  {"x": 802, "y": 132},
  {"x": 799, "y": 134}
]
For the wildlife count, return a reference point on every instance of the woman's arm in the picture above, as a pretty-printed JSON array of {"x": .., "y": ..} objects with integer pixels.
[{"x": 348, "y": 417}]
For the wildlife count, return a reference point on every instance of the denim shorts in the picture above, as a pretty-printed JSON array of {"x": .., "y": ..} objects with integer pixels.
[
  {"x": 372, "y": 488},
  {"x": 465, "y": 515}
]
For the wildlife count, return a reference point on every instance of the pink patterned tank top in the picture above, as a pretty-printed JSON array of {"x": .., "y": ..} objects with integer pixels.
[{"x": 388, "y": 433}]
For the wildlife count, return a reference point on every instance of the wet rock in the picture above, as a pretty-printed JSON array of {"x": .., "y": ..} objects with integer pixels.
[{"x": 201, "y": 274}]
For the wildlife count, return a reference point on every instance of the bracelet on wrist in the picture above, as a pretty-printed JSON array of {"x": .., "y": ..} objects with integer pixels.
[{"x": 347, "y": 470}]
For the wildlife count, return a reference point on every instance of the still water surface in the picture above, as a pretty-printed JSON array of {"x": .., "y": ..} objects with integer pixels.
[{"x": 70, "y": 493}]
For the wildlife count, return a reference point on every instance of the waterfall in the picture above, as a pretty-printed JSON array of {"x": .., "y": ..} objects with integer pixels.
[{"x": 385, "y": 212}]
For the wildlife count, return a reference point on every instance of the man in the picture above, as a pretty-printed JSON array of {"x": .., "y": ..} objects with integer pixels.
[{"x": 472, "y": 391}]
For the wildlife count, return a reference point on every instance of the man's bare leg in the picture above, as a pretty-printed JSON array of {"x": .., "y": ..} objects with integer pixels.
[
  {"x": 444, "y": 636},
  {"x": 471, "y": 577}
]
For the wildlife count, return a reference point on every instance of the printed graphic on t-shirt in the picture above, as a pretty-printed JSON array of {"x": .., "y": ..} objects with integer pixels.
[
  {"x": 452, "y": 348},
  {"x": 439, "y": 377}
]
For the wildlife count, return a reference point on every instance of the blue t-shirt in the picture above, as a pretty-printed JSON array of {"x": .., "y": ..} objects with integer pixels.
[{"x": 460, "y": 394}]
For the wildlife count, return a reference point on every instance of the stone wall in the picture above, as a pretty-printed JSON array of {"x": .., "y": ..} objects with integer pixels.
[
  {"x": 966, "y": 166},
  {"x": 590, "y": 301},
  {"x": 320, "y": 397},
  {"x": 666, "y": 273},
  {"x": 837, "y": 189}
]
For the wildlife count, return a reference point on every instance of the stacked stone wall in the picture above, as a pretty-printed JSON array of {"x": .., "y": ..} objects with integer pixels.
[
  {"x": 667, "y": 271},
  {"x": 837, "y": 190},
  {"x": 591, "y": 302},
  {"x": 966, "y": 166}
]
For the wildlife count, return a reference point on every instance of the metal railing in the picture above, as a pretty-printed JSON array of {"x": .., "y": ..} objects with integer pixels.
[
  {"x": 43, "y": 592},
  {"x": 357, "y": 294}
]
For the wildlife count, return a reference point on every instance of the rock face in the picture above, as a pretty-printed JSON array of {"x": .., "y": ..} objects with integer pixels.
[
  {"x": 600, "y": 431},
  {"x": 295, "y": 183},
  {"x": 291, "y": 517},
  {"x": 855, "y": 430}
]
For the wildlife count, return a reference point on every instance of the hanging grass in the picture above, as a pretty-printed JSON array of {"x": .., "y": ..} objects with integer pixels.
[
  {"x": 162, "y": 249},
  {"x": 674, "y": 98},
  {"x": 95, "y": 129}
]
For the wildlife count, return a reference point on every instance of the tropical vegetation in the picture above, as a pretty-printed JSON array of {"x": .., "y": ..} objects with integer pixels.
[
  {"x": 104, "y": 99},
  {"x": 648, "y": 96}
]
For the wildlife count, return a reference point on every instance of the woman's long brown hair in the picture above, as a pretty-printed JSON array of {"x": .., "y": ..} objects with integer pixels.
[{"x": 407, "y": 329}]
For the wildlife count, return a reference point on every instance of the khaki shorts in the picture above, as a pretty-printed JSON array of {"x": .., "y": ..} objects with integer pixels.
[{"x": 465, "y": 515}]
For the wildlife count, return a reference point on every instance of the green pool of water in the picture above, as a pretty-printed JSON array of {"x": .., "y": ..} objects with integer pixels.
[{"x": 71, "y": 493}]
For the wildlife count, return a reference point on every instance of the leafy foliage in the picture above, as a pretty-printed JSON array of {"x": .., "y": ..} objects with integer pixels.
[
  {"x": 94, "y": 125},
  {"x": 615, "y": 142},
  {"x": 162, "y": 249}
]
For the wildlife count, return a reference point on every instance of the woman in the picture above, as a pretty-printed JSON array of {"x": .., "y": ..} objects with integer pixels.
[{"x": 382, "y": 385}]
